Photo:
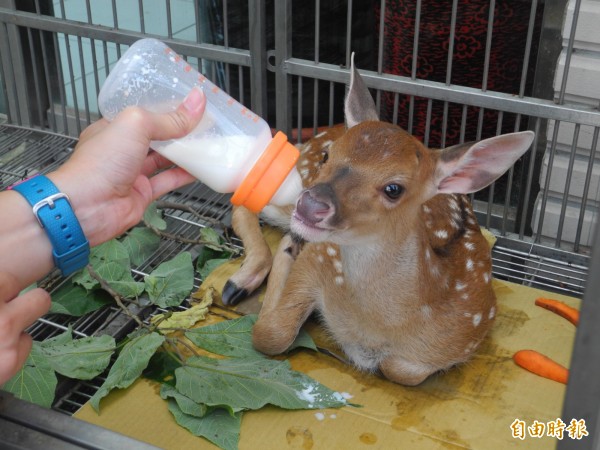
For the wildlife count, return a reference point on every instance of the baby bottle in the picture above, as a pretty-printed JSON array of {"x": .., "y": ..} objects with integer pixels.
[{"x": 231, "y": 149}]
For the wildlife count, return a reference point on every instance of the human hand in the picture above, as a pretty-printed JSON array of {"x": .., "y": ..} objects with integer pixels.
[
  {"x": 111, "y": 178},
  {"x": 17, "y": 312}
]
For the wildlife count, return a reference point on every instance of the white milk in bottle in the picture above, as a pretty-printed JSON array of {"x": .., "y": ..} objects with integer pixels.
[{"x": 231, "y": 149}]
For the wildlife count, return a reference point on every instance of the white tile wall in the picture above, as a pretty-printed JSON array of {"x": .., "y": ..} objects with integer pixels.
[
  {"x": 551, "y": 220},
  {"x": 583, "y": 88},
  {"x": 558, "y": 178},
  {"x": 582, "y": 84},
  {"x": 586, "y": 34}
]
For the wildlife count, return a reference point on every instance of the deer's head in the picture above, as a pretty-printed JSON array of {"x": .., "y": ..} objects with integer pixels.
[{"x": 377, "y": 175}]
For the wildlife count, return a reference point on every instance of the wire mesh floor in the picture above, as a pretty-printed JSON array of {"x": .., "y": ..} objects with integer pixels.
[{"x": 25, "y": 152}]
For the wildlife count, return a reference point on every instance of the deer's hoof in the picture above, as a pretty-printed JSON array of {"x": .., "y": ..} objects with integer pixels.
[{"x": 232, "y": 294}]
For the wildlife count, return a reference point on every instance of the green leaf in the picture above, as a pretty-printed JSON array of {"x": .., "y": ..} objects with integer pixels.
[
  {"x": 209, "y": 258},
  {"x": 120, "y": 279},
  {"x": 234, "y": 338},
  {"x": 211, "y": 238},
  {"x": 82, "y": 359},
  {"x": 117, "y": 276},
  {"x": 219, "y": 427},
  {"x": 161, "y": 368},
  {"x": 229, "y": 338},
  {"x": 77, "y": 301},
  {"x": 153, "y": 217},
  {"x": 251, "y": 383},
  {"x": 59, "y": 339},
  {"x": 186, "y": 404},
  {"x": 111, "y": 262},
  {"x": 171, "y": 282},
  {"x": 303, "y": 340},
  {"x": 129, "y": 365},
  {"x": 85, "y": 280},
  {"x": 112, "y": 250},
  {"x": 36, "y": 381},
  {"x": 211, "y": 265},
  {"x": 140, "y": 243},
  {"x": 204, "y": 255}
]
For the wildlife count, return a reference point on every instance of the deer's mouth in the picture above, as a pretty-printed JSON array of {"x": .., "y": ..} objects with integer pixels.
[
  {"x": 308, "y": 229},
  {"x": 313, "y": 213}
]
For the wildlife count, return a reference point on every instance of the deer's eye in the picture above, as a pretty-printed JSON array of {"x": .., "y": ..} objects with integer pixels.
[
  {"x": 324, "y": 156},
  {"x": 393, "y": 191}
]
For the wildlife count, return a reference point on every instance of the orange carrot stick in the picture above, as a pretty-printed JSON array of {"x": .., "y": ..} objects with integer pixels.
[
  {"x": 541, "y": 365},
  {"x": 566, "y": 311}
]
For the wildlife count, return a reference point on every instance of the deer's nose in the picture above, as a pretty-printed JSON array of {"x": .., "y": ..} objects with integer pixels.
[{"x": 312, "y": 210}]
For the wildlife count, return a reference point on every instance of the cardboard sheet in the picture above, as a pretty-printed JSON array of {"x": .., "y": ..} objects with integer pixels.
[{"x": 470, "y": 406}]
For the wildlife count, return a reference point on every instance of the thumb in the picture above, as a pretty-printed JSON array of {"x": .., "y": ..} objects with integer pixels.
[{"x": 181, "y": 121}]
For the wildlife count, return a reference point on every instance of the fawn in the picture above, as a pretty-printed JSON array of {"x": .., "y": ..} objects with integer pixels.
[{"x": 383, "y": 244}]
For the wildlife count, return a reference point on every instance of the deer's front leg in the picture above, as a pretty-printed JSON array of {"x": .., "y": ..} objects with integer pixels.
[
  {"x": 257, "y": 262},
  {"x": 288, "y": 301}
]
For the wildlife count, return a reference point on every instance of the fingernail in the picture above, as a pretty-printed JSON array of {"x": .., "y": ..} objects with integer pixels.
[{"x": 193, "y": 101}]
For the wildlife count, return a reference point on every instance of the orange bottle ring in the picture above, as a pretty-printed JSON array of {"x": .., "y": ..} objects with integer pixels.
[{"x": 267, "y": 175}]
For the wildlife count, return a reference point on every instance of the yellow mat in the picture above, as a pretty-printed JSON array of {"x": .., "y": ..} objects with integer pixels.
[{"x": 471, "y": 406}]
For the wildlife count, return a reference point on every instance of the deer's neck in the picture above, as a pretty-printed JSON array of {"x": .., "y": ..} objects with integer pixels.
[{"x": 368, "y": 263}]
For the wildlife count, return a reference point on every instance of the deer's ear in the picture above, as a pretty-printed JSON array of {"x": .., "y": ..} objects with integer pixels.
[
  {"x": 359, "y": 105},
  {"x": 469, "y": 167}
]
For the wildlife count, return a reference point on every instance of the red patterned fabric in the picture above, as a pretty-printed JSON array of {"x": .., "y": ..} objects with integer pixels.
[{"x": 511, "y": 20}]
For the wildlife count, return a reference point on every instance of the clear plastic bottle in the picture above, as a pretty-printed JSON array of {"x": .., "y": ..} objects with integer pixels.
[{"x": 231, "y": 149}]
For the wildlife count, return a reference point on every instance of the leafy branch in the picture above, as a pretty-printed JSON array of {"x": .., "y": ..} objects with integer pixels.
[
  {"x": 114, "y": 294},
  {"x": 208, "y": 236},
  {"x": 206, "y": 394}
]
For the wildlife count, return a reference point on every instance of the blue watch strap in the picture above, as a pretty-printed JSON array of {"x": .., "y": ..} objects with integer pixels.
[{"x": 71, "y": 249}]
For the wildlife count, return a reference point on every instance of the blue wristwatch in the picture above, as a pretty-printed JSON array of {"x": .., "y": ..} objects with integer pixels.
[{"x": 71, "y": 249}]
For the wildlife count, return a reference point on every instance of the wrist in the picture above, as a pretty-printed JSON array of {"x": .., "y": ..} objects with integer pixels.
[
  {"x": 53, "y": 211},
  {"x": 86, "y": 214},
  {"x": 26, "y": 251}
]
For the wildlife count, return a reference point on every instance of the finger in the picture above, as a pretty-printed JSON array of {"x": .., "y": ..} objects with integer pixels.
[
  {"x": 141, "y": 127},
  {"x": 9, "y": 287},
  {"x": 25, "y": 309},
  {"x": 179, "y": 122},
  {"x": 23, "y": 349},
  {"x": 92, "y": 130},
  {"x": 169, "y": 180},
  {"x": 153, "y": 163},
  {"x": 14, "y": 357}
]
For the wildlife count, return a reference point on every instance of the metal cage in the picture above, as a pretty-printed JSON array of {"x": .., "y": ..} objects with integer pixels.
[{"x": 448, "y": 72}]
